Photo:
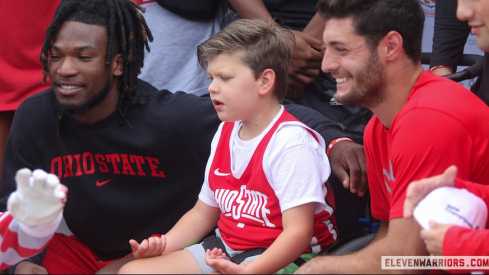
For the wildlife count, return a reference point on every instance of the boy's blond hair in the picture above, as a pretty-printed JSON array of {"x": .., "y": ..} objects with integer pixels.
[{"x": 259, "y": 44}]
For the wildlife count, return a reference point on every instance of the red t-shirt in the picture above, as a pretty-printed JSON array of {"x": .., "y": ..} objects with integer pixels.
[
  {"x": 441, "y": 124},
  {"x": 24, "y": 24}
]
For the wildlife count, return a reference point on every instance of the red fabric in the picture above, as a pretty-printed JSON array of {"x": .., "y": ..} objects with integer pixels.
[
  {"x": 69, "y": 255},
  {"x": 441, "y": 124},
  {"x": 11, "y": 241},
  {"x": 463, "y": 241},
  {"x": 24, "y": 24}
]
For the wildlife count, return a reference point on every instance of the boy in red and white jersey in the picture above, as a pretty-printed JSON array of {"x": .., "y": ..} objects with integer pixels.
[{"x": 265, "y": 181}]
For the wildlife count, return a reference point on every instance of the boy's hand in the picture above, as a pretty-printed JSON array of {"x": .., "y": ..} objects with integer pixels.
[
  {"x": 39, "y": 198},
  {"x": 151, "y": 247},
  {"x": 217, "y": 260}
]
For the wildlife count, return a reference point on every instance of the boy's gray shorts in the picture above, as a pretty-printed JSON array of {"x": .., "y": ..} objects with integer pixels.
[{"x": 198, "y": 252}]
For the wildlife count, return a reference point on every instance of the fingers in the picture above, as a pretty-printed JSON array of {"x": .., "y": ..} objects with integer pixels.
[
  {"x": 434, "y": 237},
  {"x": 317, "y": 44},
  {"x": 22, "y": 178},
  {"x": 356, "y": 165},
  {"x": 305, "y": 42},
  {"x": 140, "y": 250},
  {"x": 217, "y": 260},
  {"x": 13, "y": 204},
  {"x": 156, "y": 246},
  {"x": 134, "y": 245},
  {"x": 39, "y": 184},
  {"x": 449, "y": 176},
  {"x": 151, "y": 247},
  {"x": 38, "y": 200},
  {"x": 348, "y": 163}
]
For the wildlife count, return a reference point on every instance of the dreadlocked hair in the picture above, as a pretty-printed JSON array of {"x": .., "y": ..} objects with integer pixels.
[{"x": 127, "y": 33}]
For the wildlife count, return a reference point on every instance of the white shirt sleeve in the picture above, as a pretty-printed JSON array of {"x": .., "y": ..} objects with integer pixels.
[
  {"x": 297, "y": 167},
  {"x": 206, "y": 195}
]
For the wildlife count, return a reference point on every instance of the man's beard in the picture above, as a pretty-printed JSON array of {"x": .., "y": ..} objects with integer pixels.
[
  {"x": 369, "y": 83},
  {"x": 66, "y": 109}
]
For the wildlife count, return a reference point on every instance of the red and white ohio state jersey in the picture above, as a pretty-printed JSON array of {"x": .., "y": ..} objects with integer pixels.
[{"x": 251, "y": 214}]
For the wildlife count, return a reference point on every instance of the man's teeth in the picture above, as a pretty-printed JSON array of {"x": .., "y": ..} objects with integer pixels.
[
  {"x": 69, "y": 87},
  {"x": 342, "y": 79}
]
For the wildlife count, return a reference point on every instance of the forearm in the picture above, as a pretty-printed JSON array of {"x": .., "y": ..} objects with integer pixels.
[
  {"x": 357, "y": 262},
  {"x": 298, "y": 225},
  {"x": 192, "y": 227},
  {"x": 402, "y": 240},
  {"x": 449, "y": 35},
  {"x": 284, "y": 250},
  {"x": 252, "y": 9},
  {"x": 315, "y": 27}
]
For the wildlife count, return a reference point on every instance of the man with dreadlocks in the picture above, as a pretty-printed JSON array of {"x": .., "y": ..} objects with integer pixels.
[{"x": 132, "y": 157}]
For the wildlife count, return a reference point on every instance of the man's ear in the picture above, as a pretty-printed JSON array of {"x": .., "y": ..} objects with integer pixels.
[
  {"x": 267, "y": 81},
  {"x": 117, "y": 65},
  {"x": 392, "y": 45}
]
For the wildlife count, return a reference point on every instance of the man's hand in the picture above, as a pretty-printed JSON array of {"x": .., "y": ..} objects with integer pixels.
[
  {"x": 307, "y": 55},
  {"x": 419, "y": 189},
  {"x": 39, "y": 198},
  {"x": 348, "y": 163},
  {"x": 26, "y": 267},
  {"x": 434, "y": 236},
  {"x": 151, "y": 247}
]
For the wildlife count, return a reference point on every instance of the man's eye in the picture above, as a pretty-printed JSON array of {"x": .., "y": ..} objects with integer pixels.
[
  {"x": 84, "y": 57},
  {"x": 340, "y": 50}
]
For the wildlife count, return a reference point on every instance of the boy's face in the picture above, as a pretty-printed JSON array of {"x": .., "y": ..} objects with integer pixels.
[
  {"x": 359, "y": 75},
  {"x": 476, "y": 13},
  {"x": 234, "y": 88},
  {"x": 82, "y": 83}
]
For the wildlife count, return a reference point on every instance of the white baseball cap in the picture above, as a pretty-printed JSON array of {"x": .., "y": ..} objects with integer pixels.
[{"x": 449, "y": 205}]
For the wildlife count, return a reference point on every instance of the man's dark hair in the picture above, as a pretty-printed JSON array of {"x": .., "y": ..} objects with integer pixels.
[
  {"x": 373, "y": 19},
  {"x": 127, "y": 33}
]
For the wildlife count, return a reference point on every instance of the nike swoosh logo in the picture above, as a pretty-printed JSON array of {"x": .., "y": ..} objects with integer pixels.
[
  {"x": 102, "y": 183},
  {"x": 217, "y": 173}
]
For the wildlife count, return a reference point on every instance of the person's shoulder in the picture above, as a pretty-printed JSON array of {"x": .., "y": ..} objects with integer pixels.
[
  {"x": 440, "y": 93},
  {"x": 291, "y": 134},
  {"x": 38, "y": 111},
  {"x": 38, "y": 101},
  {"x": 148, "y": 92}
]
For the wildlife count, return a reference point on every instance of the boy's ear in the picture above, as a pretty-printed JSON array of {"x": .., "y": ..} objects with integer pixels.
[
  {"x": 117, "y": 65},
  {"x": 267, "y": 81}
]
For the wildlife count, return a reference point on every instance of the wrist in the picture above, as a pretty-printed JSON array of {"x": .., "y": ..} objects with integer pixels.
[
  {"x": 44, "y": 230},
  {"x": 432, "y": 69},
  {"x": 334, "y": 142}
]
